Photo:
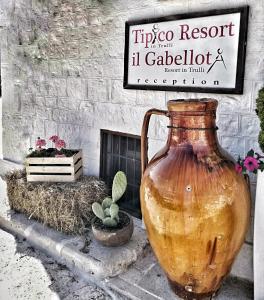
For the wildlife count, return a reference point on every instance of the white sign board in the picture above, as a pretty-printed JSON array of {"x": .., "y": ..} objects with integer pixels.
[{"x": 197, "y": 52}]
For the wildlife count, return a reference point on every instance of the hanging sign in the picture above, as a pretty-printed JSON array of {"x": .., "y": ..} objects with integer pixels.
[{"x": 200, "y": 52}]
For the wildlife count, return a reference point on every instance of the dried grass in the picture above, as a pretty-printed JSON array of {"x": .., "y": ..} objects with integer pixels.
[{"x": 63, "y": 206}]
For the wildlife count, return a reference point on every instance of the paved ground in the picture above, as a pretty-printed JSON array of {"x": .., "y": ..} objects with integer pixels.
[
  {"x": 146, "y": 281},
  {"x": 26, "y": 273}
]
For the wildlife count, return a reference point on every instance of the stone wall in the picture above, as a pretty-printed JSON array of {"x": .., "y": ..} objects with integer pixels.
[{"x": 62, "y": 70}]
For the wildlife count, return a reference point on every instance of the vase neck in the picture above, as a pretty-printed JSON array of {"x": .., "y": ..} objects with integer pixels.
[{"x": 193, "y": 129}]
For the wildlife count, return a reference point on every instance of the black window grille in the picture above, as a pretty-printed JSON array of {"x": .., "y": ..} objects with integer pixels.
[{"x": 120, "y": 151}]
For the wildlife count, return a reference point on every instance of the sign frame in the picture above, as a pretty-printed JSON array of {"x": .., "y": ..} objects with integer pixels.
[{"x": 241, "y": 52}]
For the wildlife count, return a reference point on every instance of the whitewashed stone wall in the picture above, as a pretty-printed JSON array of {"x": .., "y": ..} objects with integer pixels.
[{"x": 62, "y": 70}]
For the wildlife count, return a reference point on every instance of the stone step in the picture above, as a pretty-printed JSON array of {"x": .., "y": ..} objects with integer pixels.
[{"x": 139, "y": 283}]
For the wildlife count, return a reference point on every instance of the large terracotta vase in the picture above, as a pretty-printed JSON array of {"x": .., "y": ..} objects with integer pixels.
[{"x": 195, "y": 206}]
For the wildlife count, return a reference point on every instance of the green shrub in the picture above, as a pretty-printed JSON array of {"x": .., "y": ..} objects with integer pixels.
[{"x": 260, "y": 113}]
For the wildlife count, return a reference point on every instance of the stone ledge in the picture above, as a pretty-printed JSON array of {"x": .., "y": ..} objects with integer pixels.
[
  {"x": 6, "y": 166},
  {"x": 100, "y": 262}
]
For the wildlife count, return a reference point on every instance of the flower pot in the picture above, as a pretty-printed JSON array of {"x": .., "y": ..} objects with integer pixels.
[
  {"x": 195, "y": 206},
  {"x": 113, "y": 237},
  {"x": 258, "y": 239},
  {"x": 54, "y": 169}
]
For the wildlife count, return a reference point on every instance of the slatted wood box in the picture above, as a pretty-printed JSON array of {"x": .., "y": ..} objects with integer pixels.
[{"x": 54, "y": 169}]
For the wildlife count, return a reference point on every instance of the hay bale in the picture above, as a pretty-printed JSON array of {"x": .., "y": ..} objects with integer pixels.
[{"x": 63, "y": 206}]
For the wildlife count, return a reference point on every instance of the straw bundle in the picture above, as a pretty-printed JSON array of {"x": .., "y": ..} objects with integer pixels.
[{"x": 63, "y": 206}]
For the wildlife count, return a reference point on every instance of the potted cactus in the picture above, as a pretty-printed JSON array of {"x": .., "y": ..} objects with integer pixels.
[{"x": 112, "y": 227}]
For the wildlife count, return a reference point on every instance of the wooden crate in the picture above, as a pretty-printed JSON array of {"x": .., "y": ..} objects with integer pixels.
[{"x": 54, "y": 169}]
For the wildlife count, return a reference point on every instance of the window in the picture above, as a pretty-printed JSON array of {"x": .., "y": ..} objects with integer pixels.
[{"x": 120, "y": 151}]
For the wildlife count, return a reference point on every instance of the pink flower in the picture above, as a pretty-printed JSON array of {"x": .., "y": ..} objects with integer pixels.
[
  {"x": 54, "y": 138},
  {"x": 40, "y": 143},
  {"x": 251, "y": 163},
  {"x": 59, "y": 144},
  {"x": 238, "y": 168}
]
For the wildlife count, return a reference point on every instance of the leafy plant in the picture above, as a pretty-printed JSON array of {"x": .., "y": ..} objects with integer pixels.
[
  {"x": 260, "y": 113},
  {"x": 108, "y": 210}
]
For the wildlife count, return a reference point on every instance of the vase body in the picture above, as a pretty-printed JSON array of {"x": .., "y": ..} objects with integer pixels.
[{"x": 195, "y": 206}]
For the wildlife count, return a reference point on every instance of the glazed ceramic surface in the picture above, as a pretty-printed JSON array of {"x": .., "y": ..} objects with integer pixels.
[{"x": 195, "y": 206}]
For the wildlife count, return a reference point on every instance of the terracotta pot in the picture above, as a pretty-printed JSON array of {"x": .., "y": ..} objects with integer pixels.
[
  {"x": 195, "y": 206},
  {"x": 114, "y": 237}
]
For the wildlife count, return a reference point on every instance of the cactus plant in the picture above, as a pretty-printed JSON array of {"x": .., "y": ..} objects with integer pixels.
[{"x": 108, "y": 210}]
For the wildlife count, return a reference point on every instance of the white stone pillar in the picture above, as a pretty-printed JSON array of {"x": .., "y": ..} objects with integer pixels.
[
  {"x": 259, "y": 240},
  {"x": 1, "y": 111},
  {"x": 1, "y": 131}
]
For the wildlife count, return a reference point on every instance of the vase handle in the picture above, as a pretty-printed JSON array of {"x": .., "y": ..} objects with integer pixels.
[{"x": 144, "y": 134}]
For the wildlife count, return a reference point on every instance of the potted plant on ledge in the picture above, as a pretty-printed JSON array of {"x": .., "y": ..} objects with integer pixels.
[
  {"x": 54, "y": 164},
  {"x": 112, "y": 227}
]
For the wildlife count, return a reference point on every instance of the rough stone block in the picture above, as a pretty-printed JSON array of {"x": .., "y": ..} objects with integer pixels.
[
  {"x": 40, "y": 101},
  {"x": 70, "y": 133},
  {"x": 51, "y": 101},
  {"x": 119, "y": 118},
  {"x": 151, "y": 99},
  {"x": 91, "y": 68},
  {"x": 43, "y": 113},
  {"x": 63, "y": 102},
  {"x": 120, "y": 95},
  {"x": 55, "y": 68},
  {"x": 258, "y": 36},
  {"x": 57, "y": 87},
  {"x": 91, "y": 166},
  {"x": 77, "y": 88},
  {"x": 86, "y": 116},
  {"x": 154, "y": 147},
  {"x": 158, "y": 129},
  {"x": 27, "y": 109},
  {"x": 50, "y": 128},
  {"x": 66, "y": 116},
  {"x": 39, "y": 128},
  {"x": 71, "y": 67},
  {"x": 228, "y": 124},
  {"x": 114, "y": 47},
  {"x": 234, "y": 145},
  {"x": 115, "y": 67},
  {"x": 254, "y": 67},
  {"x": 98, "y": 90},
  {"x": 250, "y": 125},
  {"x": 252, "y": 143},
  {"x": 235, "y": 103}
]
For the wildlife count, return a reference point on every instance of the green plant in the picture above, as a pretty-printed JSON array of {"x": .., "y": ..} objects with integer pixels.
[
  {"x": 108, "y": 210},
  {"x": 260, "y": 113}
]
